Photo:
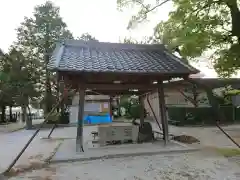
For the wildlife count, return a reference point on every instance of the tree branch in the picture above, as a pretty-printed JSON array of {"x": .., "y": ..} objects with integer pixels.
[
  {"x": 155, "y": 7},
  {"x": 208, "y": 4},
  {"x": 142, "y": 14},
  {"x": 139, "y": 2},
  {"x": 188, "y": 98},
  {"x": 162, "y": 3}
]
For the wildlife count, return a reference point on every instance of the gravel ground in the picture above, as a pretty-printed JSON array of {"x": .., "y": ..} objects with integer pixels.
[
  {"x": 190, "y": 166},
  {"x": 208, "y": 136},
  {"x": 197, "y": 165}
]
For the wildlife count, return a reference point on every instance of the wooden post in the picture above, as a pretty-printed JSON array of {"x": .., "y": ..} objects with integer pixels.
[
  {"x": 79, "y": 138},
  {"x": 110, "y": 107},
  {"x": 141, "y": 101},
  {"x": 163, "y": 113}
]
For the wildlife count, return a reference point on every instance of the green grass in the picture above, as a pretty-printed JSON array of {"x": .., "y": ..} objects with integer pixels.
[{"x": 228, "y": 152}]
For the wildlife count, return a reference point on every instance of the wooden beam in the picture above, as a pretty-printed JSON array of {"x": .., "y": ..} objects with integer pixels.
[
  {"x": 79, "y": 138},
  {"x": 110, "y": 107},
  {"x": 163, "y": 114},
  {"x": 114, "y": 92},
  {"x": 109, "y": 77},
  {"x": 141, "y": 101},
  {"x": 118, "y": 87}
]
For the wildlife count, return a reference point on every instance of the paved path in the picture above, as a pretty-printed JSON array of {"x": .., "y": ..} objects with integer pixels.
[
  {"x": 208, "y": 136},
  {"x": 192, "y": 166},
  {"x": 198, "y": 165},
  {"x": 39, "y": 150},
  {"x": 12, "y": 143},
  {"x": 16, "y": 126}
]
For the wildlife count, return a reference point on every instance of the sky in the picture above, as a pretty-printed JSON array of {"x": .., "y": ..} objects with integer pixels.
[{"x": 100, "y": 18}]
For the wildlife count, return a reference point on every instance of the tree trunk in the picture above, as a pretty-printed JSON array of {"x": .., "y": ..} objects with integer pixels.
[
  {"x": 24, "y": 113},
  {"x": 3, "y": 115},
  {"x": 48, "y": 88},
  {"x": 195, "y": 95},
  {"x": 10, "y": 114},
  {"x": 48, "y": 94},
  {"x": 218, "y": 115},
  {"x": 29, "y": 119},
  {"x": 235, "y": 16}
]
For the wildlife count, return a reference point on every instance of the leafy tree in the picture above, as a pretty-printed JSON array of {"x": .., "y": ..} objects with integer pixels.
[
  {"x": 195, "y": 26},
  {"x": 3, "y": 86},
  {"x": 1, "y": 53},
  {"x": 20, "y": 86},
  {"x": 87, "y": 37},
  {"x": 227, "y": 93},
  {"x": 192, "y": 94},
  {"x": 146, "y": 40},
  {"x": 37, "y": 37}
]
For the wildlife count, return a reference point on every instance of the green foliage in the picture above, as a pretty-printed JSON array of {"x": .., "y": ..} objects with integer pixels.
[
  {"x": 3, "y": 76},
  {"x": 192, "y": 94},
  {"x": 146, "y": 40},
  {"x": 135, "y": 111},
  {"x": 228, "y": 152},
  {"x": 231, "y": 91},
  {"x": 18, "y": 81},
  {"x": 23, "y": 78},
  {"x": 87, "y": 37},
  {"x": 36, "y": 38},
  {"x": 197, "y": 26},
  {"x": 64, "y": 118},
  {"x": 132, "y": 107},
  {"x": 198, "y": 116},
  {"x": 53, "y": 117},
  {"x": 144, "y": 8}
]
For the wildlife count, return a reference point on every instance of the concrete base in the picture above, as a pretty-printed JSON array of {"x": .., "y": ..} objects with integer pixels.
[{"x": 67, "y": 152}]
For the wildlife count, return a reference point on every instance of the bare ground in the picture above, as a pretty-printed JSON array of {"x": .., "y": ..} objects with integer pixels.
[
  {"x": 206, "y": 164},
  {"x": 192, "y": 166}
]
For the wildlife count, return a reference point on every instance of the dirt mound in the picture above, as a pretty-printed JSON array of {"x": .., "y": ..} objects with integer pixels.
[{"x": 186, "y": 139}]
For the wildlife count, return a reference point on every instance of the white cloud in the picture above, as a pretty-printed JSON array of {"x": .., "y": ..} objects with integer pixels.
[{"x": 100, "y": 18}]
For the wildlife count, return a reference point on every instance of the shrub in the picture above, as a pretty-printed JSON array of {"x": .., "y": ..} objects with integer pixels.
[
  {"x": 53, "y": 118},
  {"x": 197, "y": 116}
]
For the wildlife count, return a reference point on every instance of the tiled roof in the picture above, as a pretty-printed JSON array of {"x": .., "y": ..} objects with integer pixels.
[{"x": 93, "y": 56}]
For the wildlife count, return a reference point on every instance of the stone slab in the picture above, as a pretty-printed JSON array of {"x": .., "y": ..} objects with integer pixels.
[{"x": 66, "y": 151}]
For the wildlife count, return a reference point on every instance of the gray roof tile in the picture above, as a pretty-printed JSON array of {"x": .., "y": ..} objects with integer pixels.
[{"x": 93, "y": 56}]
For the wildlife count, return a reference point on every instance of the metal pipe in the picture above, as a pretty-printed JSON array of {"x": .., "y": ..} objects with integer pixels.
[
  {"x": 229, "y": 137},
  {"x": 54, "y": 126},
  {"x": 192, "y": 81},
  {"x": 155, "y": 117},
  {"x": 149, "y": 92},
  {"x": 30, "y": 140}
]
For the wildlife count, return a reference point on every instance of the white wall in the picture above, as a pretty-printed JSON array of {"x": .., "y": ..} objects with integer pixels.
[
  {"x": 88, "y": 106},
  {"x": 153, "y": 99}
]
